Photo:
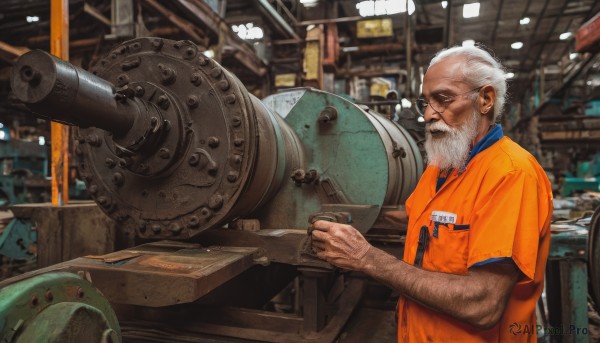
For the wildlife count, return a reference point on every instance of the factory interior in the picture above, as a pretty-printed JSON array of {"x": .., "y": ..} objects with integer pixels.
[{"x": 162, "y": 163}]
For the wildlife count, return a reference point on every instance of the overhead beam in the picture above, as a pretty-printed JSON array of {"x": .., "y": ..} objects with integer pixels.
[
  {"x": 10, "y": 52},
  {"x": 277, "y": 19},
  {"x": 198, "y": 36},
  {"x": 243, "y": 52},
  {"x": 89, "y": 9},
  {"x": 498, "y": 14}
]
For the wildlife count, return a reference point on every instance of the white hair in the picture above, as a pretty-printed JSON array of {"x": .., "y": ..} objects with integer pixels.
[{"x": 480, "y": 69}]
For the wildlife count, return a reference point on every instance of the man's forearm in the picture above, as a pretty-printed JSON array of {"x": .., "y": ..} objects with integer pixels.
[{"x": 459, "y": 296}]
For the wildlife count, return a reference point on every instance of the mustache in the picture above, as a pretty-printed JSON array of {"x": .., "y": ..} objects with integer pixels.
[{"x": 438, "y": 126}]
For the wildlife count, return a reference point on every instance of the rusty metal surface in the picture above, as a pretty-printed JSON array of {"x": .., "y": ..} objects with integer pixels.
[
  {"x": 244, "y": 325},
  {"x": 162, "y": 274},
  {"x": 174, "y": 145}
]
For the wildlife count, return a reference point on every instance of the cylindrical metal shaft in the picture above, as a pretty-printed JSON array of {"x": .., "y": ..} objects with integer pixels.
[{"x": 62, "y": 92}]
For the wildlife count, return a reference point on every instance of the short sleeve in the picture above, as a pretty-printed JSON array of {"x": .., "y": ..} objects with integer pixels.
[{"x": 509, "y": 223}]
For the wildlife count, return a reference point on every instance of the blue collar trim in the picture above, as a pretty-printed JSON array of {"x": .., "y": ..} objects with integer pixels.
[{"x": 490, "y": 138}]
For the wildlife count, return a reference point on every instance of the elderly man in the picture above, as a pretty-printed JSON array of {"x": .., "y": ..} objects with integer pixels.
[{"x": 478, "y": 220}]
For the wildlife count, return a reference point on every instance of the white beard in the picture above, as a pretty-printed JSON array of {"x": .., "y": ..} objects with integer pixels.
[{"x": 452, "y": 148}]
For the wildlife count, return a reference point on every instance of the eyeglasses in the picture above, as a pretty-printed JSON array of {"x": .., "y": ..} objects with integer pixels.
[{"x": 439, "y": 102}]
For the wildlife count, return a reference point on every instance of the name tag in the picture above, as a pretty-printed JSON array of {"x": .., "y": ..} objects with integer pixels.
[{"x": 443, "y": 217}]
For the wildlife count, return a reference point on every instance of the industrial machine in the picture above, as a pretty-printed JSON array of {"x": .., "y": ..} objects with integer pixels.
[{"x": 220, "y": 187}]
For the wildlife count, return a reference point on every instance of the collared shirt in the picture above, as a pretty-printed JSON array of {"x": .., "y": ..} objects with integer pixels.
[{"x": 499, "y": 207}]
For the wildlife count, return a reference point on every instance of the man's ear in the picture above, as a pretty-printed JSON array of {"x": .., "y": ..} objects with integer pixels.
[{"x": 487, "y": 99}]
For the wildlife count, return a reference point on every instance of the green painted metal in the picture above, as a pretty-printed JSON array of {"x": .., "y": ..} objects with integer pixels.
[
  {"x": 569, "y": 249},
  {"x": 574, "y": 293},
  {"x": 16, "y": 238},
  {"x": 56, "y": 307},
  {"x": 367, "y": 159}
]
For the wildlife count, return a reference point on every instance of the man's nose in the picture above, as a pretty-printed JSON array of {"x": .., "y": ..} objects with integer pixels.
[{"x": 430, "y": 114}]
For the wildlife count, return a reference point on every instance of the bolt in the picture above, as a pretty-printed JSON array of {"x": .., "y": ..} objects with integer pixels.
[
  {"x": 177, "y": 45},
  {"x": 113, "y": 56},
  {"x": 139, "y": 91},
  {"x": 153, "y": 121},
  {"x": 156, "y": 228},
  {"x": 213, "y": 168},
  {"x": 328, "y": 114},
  {"x": 78, "y": 151},
  {"x": 238, "y": 142},
  {"x": 196, "y": 79},
  {"x": 163, "y": 102},
  {"x": 213, "y": 142},
  {"x": 164, "y": 153},
  {"x": 167, "y": 125},
  {"x": 49, "y": 296},
  {"x": 109, "y": 162},
  {"x": 93, "y": 189},
  {"x": 230, "y": 99},
  {"x": 203, "y": 60},
  {"x": 215, "y": 202},
  {"x": 298, "y": 175},
  {"x": 192, "y": 101},
  {"x": 232, "y": 176},
  {"x": 236, "y": 159},
  {"x": 224, "y": 85},
  {"x": 117, "y": 179},
  {"x": 194, "y": 159},
  {"x": 102, "y": 200},
  {"x": 216, "y": 72},
  {"x": 142, "y": 227},
  {"x": 205, "y": 213},
  {"x": 80, "y": 292},
  {"x": 157, "y": 44},
  {"x": 122, "y": 80},
  {"x": 94, "y": 140},
  {"x": 194, "y": 221},
  {"x": 124, "y": 162},
  {"x": 175, "y": 228},
  {"x": 34, "y": 300},
  {"x": 236, "y": 121},
  {"x": 168, "y": 75},
  {"x": 189, "y": 53}
]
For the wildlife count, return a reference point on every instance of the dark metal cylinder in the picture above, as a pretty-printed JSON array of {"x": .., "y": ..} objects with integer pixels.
[{"x": 55, "y": 89}]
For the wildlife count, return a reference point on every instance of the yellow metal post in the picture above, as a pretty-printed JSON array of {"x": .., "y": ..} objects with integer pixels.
[{"x": 59, "y": 47}]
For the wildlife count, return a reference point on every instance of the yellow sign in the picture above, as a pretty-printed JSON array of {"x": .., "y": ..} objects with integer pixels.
[
  {"x": 374, "y": 28},
  {"x": 285, "y": 80}
]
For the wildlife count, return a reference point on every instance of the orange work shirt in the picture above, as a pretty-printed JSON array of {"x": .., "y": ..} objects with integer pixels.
[{"x": 499, "y": 207}]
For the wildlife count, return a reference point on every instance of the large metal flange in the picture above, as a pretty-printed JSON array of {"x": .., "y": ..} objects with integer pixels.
[{"x": 194, "y": 174}]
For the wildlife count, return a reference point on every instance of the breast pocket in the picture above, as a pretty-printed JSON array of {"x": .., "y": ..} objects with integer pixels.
[{"x": 448, "y": 248}]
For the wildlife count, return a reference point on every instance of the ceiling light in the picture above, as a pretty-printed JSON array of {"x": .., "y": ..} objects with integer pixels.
[
  {"x": 41, "y": 140},
  {"x": 32, "y": 19},
  {"x": 468, "y": 42},
  {"x": 384, "y": 7},
  {"x": 573, "y": 55},
  {"x": 517, "y": 45},
  {"x": 248, "y": 31},
  {"x": 565, "y": 35},
  {"x": 405, "y": 103},
  {"x": 309, "y": 3},
  {"x": 524, "y": 21},
  {"x": 444, "y": 4},
  {"x": 471, "y": 10},
  {"x": 509, "y": 75}
]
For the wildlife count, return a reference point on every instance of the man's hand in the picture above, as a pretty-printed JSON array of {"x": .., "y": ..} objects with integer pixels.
[{"x": 339, "y": 244}]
